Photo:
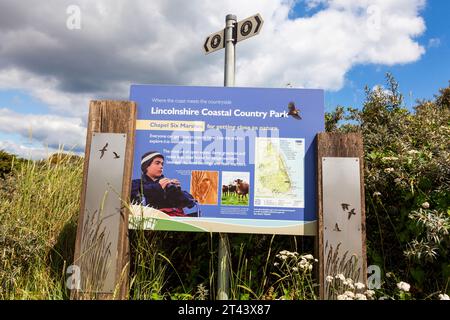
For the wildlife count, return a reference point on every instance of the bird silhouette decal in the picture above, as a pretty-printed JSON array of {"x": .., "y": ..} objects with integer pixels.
[
  {"x": 103, "y": 150},
  {"x": 344, "y": 206},
  {"x": 116, "y": 156},
  {"x": 293, "y": 111},
  {"x": 350, "y": 213},
  {"x": 336, "y": 228}
]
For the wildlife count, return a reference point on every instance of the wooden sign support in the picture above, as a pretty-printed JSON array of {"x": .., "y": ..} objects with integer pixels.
[
  {"x": 341, "y": 212},
  {"x": 102, "y": 247}
]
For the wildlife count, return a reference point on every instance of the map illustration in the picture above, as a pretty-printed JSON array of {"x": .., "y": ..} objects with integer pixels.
[{"x": 279, "y": 172}]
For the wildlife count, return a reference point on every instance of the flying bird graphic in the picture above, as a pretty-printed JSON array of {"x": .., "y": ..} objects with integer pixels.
[
  {"x": 336, "y": 228},
  {"x": 350, "y": 213},
  {"x": 293, "y": 111},
  {"x": 103, "y": 150},
  {"x": 344, "y": 206},
  {"x": 116, "y": 156}
]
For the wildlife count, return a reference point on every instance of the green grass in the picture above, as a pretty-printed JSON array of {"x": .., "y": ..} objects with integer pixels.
[
  {"x": 234, "y": 200},
  {"x": 39, "y": 205}
]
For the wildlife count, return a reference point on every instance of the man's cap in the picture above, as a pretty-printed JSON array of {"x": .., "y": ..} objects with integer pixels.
[{"x": 147, "y": 159}]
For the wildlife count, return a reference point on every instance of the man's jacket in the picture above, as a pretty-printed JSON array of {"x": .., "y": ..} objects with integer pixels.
[{"x": 147, "y": 192}]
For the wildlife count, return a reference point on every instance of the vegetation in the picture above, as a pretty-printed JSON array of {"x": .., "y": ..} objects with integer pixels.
[
  {"x": 39, "y": 203},
  {"x": 407, "y": 176},
  {"x": 234, "y": 200},
  {"x": 8, "y": 163}
]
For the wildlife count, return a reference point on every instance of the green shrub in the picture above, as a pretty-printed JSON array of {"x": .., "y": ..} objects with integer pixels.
[
  {"x": 8, "y": 163},
  {"x": 407, "y": 178}
]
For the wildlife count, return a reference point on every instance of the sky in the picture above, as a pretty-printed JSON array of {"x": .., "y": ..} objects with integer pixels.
[{"x": 57, "y": 55}]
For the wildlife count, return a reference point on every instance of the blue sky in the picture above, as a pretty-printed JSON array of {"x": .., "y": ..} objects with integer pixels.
[
  {"x": 418, "y": 80},
  {"x": 49, "y": 71},
  {"x": 22, "y": 102}
]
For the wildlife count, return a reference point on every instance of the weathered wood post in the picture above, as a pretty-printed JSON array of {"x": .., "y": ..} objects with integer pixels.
[
  {"x": 102, "y": 247},
  {"x": 341, "y": 211}
]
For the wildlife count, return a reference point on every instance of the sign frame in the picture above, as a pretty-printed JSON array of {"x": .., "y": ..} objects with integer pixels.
[{"x": 159, "y": 116}]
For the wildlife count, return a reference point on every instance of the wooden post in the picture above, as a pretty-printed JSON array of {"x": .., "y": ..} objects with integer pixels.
[
  {"x": 342, "y": 231},
  {"x": 109, "y": 117}
]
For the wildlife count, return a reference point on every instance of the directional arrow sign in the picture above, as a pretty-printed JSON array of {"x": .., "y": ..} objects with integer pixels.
[
  {"x": 214, "y": 42},
  {"x": 249, "y": 27},
  {"x": 242, "y": 30}
]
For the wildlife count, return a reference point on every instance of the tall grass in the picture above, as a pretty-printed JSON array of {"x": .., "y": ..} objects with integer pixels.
[
  {"x": 39, "y": 205},
  {"x": 149, "y": 267}
]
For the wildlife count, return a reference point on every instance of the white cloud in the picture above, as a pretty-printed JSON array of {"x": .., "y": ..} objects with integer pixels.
[
  {"x": 161, "y": 42},
  {"x": 434, "y": 43},
  {"x": 26, "y": 151},
  {"x": 123, "y": 42},
  {"x": 45, "y": 89},
  {"x": 380, "y": 90},
  {"x": 312, "y": 4},
  {"x": 51, "y": 131}
]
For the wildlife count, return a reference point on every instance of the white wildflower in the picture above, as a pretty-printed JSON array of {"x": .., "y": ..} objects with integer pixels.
[
  {"x": 413, "y": 152},
  {"x": 291, "y": 254},
  {"x": 310, "y": 267},
  {"x": 360, "y": 296},
  {"x": 369, "y": 293},
  {"x": 303, "y": 264},
  {"x": 349, "y": 294},
  {"x": 295, "y": 269},
  {"x": 376, "y": 194},
  {"x": 349, "y": 283},
  {"x": 389, "y": 170},
  {"x": 340, "y": 276},
  {"x": 444, "y": 297},
  {"x": 276, "y": 264},
  {"x": 308, "y": 257},
  {"x": 360, "y": 285},
  {"x": 342, "y": 297},
  {"x": 403, "y": 286},
  {"x": 425, "y": 205},
  {"x": 329, "y": 279},
  {"x": 389, "y": 159}
]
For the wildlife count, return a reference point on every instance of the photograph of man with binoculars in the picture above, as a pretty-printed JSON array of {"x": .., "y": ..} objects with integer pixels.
[{"x": 159, "y": 192}]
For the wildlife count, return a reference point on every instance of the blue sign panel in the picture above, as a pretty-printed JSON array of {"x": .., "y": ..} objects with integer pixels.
[{"x": 221, "y": 159}]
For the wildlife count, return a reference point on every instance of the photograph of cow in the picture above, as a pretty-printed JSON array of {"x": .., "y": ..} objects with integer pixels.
[{"x": 235, "y": 188}]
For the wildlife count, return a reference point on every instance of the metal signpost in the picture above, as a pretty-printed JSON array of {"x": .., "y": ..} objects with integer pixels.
[
  {"x": 239, "y": 31},
  {"x": 234, "y": 32}
]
